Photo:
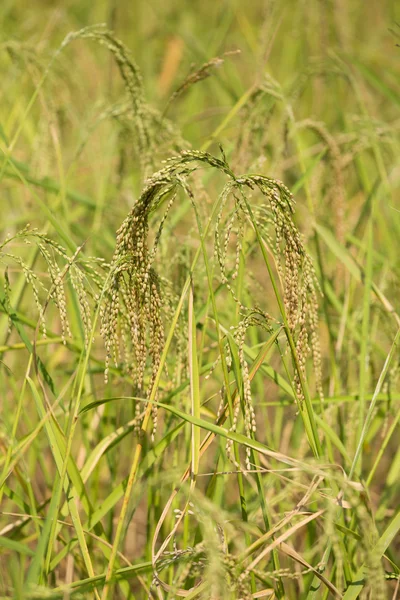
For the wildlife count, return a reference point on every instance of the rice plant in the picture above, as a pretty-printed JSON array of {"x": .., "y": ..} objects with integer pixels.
[{"x": 199, "y": 332}]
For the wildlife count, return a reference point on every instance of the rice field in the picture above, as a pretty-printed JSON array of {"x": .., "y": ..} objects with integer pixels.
[{"x": 199, "y": 284}]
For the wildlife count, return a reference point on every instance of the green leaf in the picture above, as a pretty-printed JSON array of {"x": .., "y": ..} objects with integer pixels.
[
  {"x": 360, "y": 578},
  {"x": 9, "y": 544}
]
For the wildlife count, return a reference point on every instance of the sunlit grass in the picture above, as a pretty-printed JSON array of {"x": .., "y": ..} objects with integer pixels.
[{"x": 198, "y": 319}]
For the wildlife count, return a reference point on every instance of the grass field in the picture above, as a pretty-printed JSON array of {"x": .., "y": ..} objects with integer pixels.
[{"x": 199, "y": 300}]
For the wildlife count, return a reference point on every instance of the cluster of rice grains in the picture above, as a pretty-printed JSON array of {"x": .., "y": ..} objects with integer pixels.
[
  {"x": 273, "y": 218},
  {"x": 132, "y": 313},
  {"x": 135, "y": 308},
  {"x": 61, "y": 268},
  {"x": 145, "y": 133}
]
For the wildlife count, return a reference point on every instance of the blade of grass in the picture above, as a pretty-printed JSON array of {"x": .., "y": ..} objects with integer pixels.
[
  {"x": 194, "y": 388},
  {"x": 360, "y": 578},
  {"x": 371, "y": 408}
]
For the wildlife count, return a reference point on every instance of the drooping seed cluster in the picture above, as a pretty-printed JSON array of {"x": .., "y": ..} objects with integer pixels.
[
  {"x": 33, "y": 281},
  {"x": 152, "y": 130},
  {"x": 298, "y": 278},
  {"x": 133, "y": 313},
  {"x": 261, "y": 320},
  {"x": 190, "y": 560},
  {"x": 224, "y": 229},
  {"x": 53, "y": 254},
  {"x": 132, "y": 78},
  {"x": 56, "y": 291},
  {"x": 194, "y": 77},
  {"x": 211, "y": 562},
  {"x": 295, "y": 269},
  {"x": 133, "y": 293}
]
